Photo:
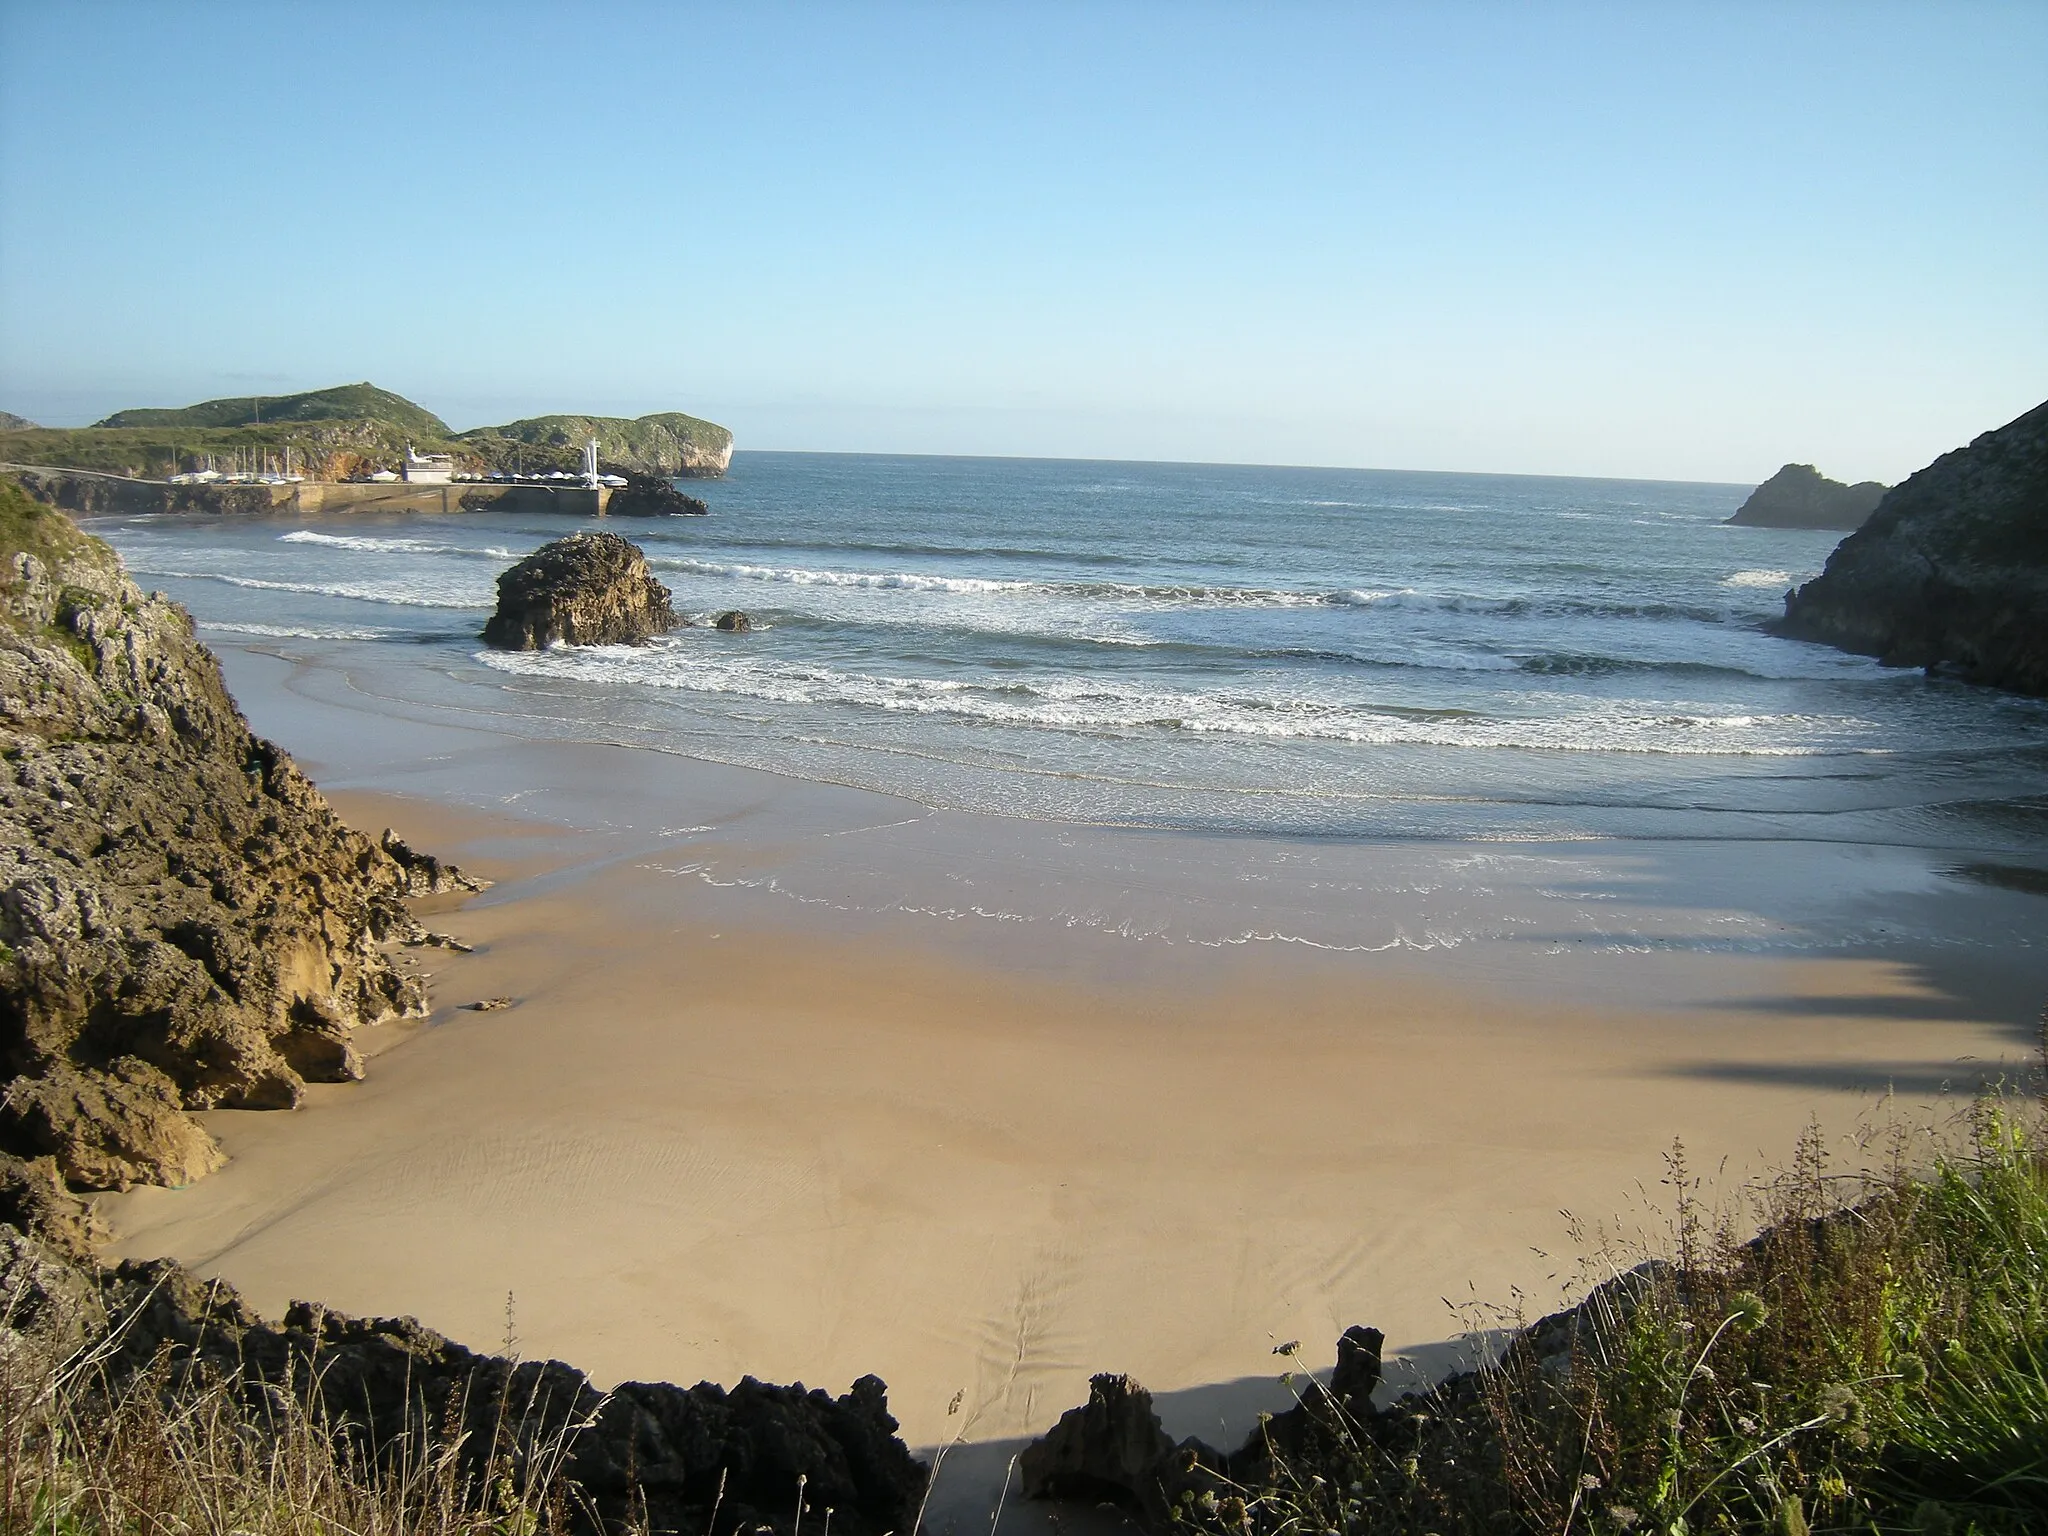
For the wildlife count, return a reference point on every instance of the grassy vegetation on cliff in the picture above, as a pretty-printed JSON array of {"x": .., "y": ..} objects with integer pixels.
[
  {"x": 29, "y": 527},
  {"x": 645, "y": 444},
  {"x": 322, "y": 449},
  {"x": 1876, "y": 1368},
  {"x": 344, "y": 402}
]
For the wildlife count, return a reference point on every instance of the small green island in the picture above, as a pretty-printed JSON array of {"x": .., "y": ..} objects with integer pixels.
[{"x": 354, "y": 431}]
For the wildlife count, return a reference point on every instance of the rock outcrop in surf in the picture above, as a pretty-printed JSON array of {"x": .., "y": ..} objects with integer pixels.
[
  {"x": 184, "y": 922},
  {"x": 1951, "y": 571},
  {"x": 653, "y": 496},
  {"x": 587, "y": 589},
  {"x": 1800, "y": 496}
]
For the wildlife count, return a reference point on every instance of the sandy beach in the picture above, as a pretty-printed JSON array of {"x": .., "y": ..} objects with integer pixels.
[{"x": 763, "y": 1104}]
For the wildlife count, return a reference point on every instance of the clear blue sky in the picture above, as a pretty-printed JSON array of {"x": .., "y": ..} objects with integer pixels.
[{"x": 1631, "y": 239}]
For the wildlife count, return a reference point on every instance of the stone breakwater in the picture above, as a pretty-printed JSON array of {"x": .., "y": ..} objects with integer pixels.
[
  {"x": 184, "y": 922},
  {"x": 1951, "y": 570},
  {"x": 88, "y": 494}
]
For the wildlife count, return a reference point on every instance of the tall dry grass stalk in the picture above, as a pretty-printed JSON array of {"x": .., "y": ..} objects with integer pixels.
[{"x": 174, "y": 1448}]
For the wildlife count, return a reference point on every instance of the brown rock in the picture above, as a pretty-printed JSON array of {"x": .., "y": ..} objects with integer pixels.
[
  {"x": 184, "y": 923},
  {"x": 587, "y": 589}
]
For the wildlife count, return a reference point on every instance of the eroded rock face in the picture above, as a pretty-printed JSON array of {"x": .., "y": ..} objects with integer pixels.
[
  {"x": 1951, "y": 571},
  {"x": 587, "y": 589},
  {"x": 184, "y": 923},
  {"x": 1800, "y": 496}
]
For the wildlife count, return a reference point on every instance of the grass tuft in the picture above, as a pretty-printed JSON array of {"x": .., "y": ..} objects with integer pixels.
[
  {"x": 177, "y": 1449},
  {"x": 1874, "y": 1363}
]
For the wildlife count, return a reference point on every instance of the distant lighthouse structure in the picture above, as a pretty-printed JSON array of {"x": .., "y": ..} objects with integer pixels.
[{"x": 590, "y": 477}]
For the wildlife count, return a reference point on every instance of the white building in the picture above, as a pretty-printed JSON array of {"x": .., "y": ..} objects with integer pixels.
[{"x": 428, "y": 468}]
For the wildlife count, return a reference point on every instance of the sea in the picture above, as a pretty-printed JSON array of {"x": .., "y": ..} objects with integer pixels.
[{"x": 1220, "y": 648}]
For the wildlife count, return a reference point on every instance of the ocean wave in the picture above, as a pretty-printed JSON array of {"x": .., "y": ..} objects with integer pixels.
[
  {"x": 368, "y": 544},
  {"x": 400, "y": 597},
  {"x": 1096, "y": 704},
  {"x": 913, "y": 548},
  {"x": 1186, "y": 595},
  {"x": 296, "y": 631},
  {"x": 1567, "y": 664}
]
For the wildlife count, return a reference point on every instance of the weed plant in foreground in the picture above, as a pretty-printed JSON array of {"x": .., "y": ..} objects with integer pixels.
[
  {"x": 169, "y": 1451},
  {"x": 1875, "y": 1366}
]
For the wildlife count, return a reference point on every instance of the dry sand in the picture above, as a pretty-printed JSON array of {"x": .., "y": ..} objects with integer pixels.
[{"x": 717, "y": 1137}]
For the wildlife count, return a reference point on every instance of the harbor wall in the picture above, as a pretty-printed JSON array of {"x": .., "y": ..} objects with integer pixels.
[{"x": 85, "y": 491}]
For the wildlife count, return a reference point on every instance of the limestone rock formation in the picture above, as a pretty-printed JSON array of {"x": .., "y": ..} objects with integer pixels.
[
  {"x": 1951, "y": 571},
  {"x": 1800, "y": 496},
  {"x": 587, "y": 589},
  {"x": 422, "y": 873},
  {"x": 733, "y": 622},
  {"x": 184, "y": 923},
  {"x": 646, "y": 1456}
]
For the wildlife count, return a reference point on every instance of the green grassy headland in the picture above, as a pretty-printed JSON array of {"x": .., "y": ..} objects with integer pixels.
[{"x": 355, "y": 429}]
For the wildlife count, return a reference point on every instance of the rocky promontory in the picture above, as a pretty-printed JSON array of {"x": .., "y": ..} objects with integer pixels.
[
  {"x": 1800, "y": 496},
  {"x": 587, "y": 589},
  {"x": 1951, "y": 571},
  {"x": 184, "y": 922}
]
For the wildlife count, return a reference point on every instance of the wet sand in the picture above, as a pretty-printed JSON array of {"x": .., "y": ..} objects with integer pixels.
[{"x": 732, "y": 1128}]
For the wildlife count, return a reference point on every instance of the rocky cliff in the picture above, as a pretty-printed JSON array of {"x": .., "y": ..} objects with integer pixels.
[
  {"x": 587, "y": 589},
  {"x": 1800, "y": 496},
  {"x": 1951, "y": 570},
  {"x": 184, "y": 923}
]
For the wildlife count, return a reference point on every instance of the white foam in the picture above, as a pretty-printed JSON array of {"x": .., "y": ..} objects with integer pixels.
[
  {"x": 295, "y": 632},
  {"x": 1257, "y": 709},
  {"x": 1776, "y": 581},
  {"x": 403, "y": 597},
  {"x": 370, "y": 545}
]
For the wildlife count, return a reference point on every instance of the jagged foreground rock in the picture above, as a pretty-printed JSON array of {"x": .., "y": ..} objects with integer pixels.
[
  {"x": 1112, "y": 1449},
  {"x": 587, "y": 589},
  {"x": 184, "y": 923},
  {"x": 1800, "y": 496},
  {"x": 647, "y": 1456},
  {"x": 1951, "y": 570}
]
